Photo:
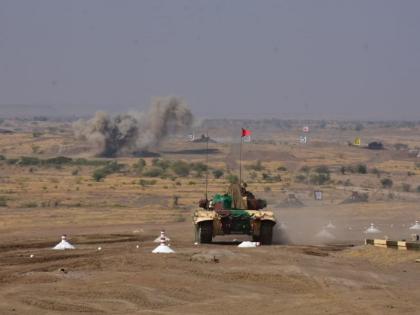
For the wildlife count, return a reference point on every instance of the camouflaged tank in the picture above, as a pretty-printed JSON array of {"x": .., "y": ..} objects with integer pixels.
[{"x": 235, "y": 212}]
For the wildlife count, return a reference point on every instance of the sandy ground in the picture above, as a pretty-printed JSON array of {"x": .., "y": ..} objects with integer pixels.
[{"x": 206, "y": 279}]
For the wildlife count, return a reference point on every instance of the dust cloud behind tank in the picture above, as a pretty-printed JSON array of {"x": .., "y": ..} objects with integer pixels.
[{"x": 136, "y": 131}]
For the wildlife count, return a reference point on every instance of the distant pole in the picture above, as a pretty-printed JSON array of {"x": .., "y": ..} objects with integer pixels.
[
  {"x": 240, "y": 160},
  {"x": 207, "y": 165}
]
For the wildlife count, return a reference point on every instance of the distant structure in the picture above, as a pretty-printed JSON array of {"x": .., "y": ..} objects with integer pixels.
[
  {"x": 203, "y": 139},
  {"x": 375, "y": 145}
]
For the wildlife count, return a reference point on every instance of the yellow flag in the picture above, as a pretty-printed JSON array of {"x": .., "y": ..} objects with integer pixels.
[{"x": 357, "y": 141}]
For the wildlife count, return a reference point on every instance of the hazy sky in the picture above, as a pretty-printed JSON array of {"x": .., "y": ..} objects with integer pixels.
[{"x": 226, "y": 58}]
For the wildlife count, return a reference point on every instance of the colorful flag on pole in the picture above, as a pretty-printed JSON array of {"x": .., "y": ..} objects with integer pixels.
[
  {"x": 246, "y": 132},
  {"x": 305, "y": 129}
]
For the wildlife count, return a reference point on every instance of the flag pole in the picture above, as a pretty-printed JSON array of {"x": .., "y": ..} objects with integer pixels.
[
  {"x": 240, "y": 160},
  {"x": 207, "y": 165}
]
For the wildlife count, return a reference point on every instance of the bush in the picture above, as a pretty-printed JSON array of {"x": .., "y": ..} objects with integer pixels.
[
  {"x": 99, "y": 174},
  {"x": 361, "y": 168},
  {"x": 163, "y": 164},
  {"x": 27, "y": 160},
  {"x": 154, "y": 172},
  {"x": 319, "y": 178},
  {"x": 387, "y": 183},
  {"x": 405, "y": 187},
  {"x": 376, "y": 171},
  {"x": 322, "y": 169},
  {"x": 305, "y": 169},
  {"x": 2, "y": 157},
  {"x": 181, "y": 168},
  {"x": 300, "y": 178},
  {"x": 140, "y": 165},
  {"x": 199, "y": 167},
  {"x": 217, "y": 173},
  {"x": 59, "y": 160},
  {"x": 30, "y": 204},
  {"x": 145, "y": 182},
  {"x": 255, "y": 167},
  {"x": 3, "y": 201},
  {"x": 232, "y": 179},
  {"x": 267, "y": 189},
  {"x": 418, "y": 189}
]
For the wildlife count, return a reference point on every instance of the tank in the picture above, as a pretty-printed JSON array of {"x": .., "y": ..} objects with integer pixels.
[{"x": 235, "y": 212}]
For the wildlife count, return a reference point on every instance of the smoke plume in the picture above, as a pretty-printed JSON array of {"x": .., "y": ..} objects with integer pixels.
[{"x": 125, "y": 134}]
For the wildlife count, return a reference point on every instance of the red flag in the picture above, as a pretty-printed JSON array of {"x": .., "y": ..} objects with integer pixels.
[{"x": 246, "y": 132}]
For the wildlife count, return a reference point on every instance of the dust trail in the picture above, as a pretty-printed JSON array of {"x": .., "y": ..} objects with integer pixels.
[{"x": 125, "y": 134}]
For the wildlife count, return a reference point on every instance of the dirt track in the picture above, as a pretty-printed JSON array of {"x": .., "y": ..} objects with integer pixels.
[{"x": 211, "y": 279}]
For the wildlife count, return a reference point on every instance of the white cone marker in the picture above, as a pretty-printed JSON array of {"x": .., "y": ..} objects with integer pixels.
[
  {"x": 163, "y": 248},
  {"x": 63, "y": 245}
]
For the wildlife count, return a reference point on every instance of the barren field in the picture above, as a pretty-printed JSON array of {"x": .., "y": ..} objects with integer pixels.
[{"x": 123, "y": 212}]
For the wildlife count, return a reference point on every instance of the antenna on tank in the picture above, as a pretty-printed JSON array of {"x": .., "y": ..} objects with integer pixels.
[{"x": 207, "y": 166}]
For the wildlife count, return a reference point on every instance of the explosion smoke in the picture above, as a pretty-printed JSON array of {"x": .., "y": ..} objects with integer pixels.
[{"x": 127, "y": 133}]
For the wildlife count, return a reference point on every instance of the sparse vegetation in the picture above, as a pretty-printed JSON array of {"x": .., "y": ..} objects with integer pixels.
[
  {"x": 387, "y": 183},
  {"x": 3, "y": 201},
  {"x": 217, "y": 173},
  {"x": 232, "y": 179},
  {"x": 255, "y": 167},
  {"x": 405, "y": 187},
  {"x": 181, "y": 168}
]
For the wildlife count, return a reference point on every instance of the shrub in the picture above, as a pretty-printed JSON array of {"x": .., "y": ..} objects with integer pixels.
[
  {"x": 199, "y": 167},
  {"x": 27, "y": 160},
  {"x": 59, "y": 160},
  {"x": 232, "y": 179},
  {"x": 405, "y": 187},
  {"x": 36, "y": 134},
  {"x": 75, "y": 172},
  {"x": 322, "y": 169},
  {"x": 319, "y": 178},
  {"x": 343, "y": 170},
  {"x": 2, "y": 157},
  {"x": 163, "y": 164},
  {"x": 255, "y": 167},
  {"x": 181, "y": 168},
  {"x": 305, "y": 169},
  {"x": 361, "y": 168},
  {"x": 139, "y": 166},
  {"x": 99, "y": 174},
  {"x": 418, "y": 189},
  {"x": 153, "y": 172},
  {"x": 217, "y": 173},
  {"x": 387, "y": 183},
  {"x": 267, "y": 189},
  {"x": 282, "y": 169},
  {"x": 300, "y": 178},
  {"x": 376, "y": 171},
  {"x": 3, "y": 201},
  {"x": 145, "y": 182},
  {"x": 30, "y": 204}
]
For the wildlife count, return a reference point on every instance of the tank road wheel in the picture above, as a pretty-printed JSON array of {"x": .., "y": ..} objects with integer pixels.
[
  {"x": 266, "y": 233},
  {"x": 205, "y": 232}
]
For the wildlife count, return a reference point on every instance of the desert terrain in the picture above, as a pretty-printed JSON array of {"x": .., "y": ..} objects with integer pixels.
[{"x": 53, "y": 184}]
